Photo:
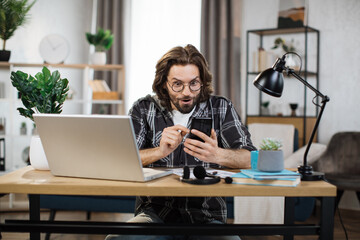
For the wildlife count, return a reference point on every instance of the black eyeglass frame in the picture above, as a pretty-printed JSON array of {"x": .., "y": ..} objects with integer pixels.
[{"x": 183, "y": 86}]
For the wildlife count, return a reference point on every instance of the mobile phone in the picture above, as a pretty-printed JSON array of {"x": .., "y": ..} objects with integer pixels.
[{"x": 203, "y": 125}]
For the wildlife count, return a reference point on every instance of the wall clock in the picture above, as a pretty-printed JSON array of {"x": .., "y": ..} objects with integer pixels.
[{"x": 54, "y": 49}]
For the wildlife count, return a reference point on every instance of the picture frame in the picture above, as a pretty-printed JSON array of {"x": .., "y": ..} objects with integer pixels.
[{"x": 292, "y": 13}]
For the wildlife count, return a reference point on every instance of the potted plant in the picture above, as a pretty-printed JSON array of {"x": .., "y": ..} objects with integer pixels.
[
  {"x": 271, "y": 157},
  {"x": 44, "y": 93},
  {"x": 102, "y": 41},
  {"x": 13, "y": 13}
]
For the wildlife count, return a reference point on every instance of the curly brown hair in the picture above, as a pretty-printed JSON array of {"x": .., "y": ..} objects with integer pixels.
[{"x": 181, "y": 56}]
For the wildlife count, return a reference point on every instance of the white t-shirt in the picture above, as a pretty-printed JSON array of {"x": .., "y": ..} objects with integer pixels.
[{"x": 181, "y": 118}]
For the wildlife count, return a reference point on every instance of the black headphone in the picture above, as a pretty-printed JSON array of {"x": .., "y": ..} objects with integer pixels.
[{"x": 200, "y": 174}]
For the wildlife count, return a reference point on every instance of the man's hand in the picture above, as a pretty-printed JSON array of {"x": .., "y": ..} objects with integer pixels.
[
  {"x": 171, "y": 138},
  {"x": 206, "y": 151},
  {"x": 209, "y": 151}
]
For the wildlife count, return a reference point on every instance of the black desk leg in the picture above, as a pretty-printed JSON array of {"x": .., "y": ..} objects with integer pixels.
[
  {"x": 34, "y": 205},
  {"x": 327, "y": 218},
  {"x": 289, "y": 215}
]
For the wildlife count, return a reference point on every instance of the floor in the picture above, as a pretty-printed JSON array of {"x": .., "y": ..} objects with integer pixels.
[{"x": 351, "y": 220}]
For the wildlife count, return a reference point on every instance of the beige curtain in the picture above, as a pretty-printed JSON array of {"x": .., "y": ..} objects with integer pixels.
[
  {"x": 110, "y": 15},
  {"x": 220, "y": 44}
]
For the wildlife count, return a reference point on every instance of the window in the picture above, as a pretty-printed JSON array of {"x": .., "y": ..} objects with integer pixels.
[{"x": 155, "y": 27}]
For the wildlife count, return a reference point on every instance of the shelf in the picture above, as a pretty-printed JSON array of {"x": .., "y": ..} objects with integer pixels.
[
  {"x": 308, "y": 74},
  {"x": 106, "y": 101},
  {"x": 273, "y": 116},
  {"x": 279, "y": 31},
  {"x": 305, "y": 122},
  {"x": 77, "y": 66}
]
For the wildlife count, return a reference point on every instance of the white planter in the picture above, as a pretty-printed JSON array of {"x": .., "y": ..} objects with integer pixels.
[
  {"x": 271, "y": 161},
  {"x": 37, "y": 155},
  {"x": 98, "y": 58}
]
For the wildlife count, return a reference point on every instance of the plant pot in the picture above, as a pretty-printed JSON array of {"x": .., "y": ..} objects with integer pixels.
[
  {"x": 271, "y": 161},
  {"x": 98, "y": 58},
  {"x": 37, "y": 155},
  {"x": 4, "y": 55}
]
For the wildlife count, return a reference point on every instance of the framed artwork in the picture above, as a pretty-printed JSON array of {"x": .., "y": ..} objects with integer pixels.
[{"x": 292, "y": 13}]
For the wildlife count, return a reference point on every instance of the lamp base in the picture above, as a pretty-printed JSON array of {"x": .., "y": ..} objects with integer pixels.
[
  {"x": 314, "y": 176},
  {"x": 307, "y": 174}
]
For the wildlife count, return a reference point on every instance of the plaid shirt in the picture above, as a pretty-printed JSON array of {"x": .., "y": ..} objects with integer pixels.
[{"x": 150, "y": 118}]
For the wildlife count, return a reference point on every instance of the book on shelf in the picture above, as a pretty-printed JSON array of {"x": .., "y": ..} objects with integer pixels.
[
  {"x": 101, "y": 90},
  {"x": 99, "y": 86},
  {"x": 260, "y": 175},
  {"x": 241, "y": 178}
]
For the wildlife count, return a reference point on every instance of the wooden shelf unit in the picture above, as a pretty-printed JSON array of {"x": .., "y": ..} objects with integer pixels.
[{"x": 82, "y": 103}]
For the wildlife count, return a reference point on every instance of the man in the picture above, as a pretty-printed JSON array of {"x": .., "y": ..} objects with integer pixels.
[{"x": 183, "y": 87}]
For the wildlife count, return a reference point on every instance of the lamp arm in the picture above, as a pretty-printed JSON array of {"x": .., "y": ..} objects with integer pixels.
[
  {"x": 312, "y": 136},
  {"x": 305, "y": 169},
  {"x": 293, "y": 73}
]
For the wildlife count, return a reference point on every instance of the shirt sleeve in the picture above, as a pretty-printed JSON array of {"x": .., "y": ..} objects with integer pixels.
[
  {"x": 233, "y": 132},
  {"x": 139, "y": 125}
]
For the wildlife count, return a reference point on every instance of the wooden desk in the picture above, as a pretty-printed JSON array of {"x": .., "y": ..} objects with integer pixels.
[{"x": 33, "y": 182}]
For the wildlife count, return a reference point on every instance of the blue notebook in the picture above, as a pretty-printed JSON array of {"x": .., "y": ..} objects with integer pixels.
[
  {"x": 240, "y": 178},
  {"x": 284, "y": 174}
]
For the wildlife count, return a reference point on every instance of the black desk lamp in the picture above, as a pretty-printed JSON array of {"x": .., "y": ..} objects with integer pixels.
[{"x": 271, "y": 81}]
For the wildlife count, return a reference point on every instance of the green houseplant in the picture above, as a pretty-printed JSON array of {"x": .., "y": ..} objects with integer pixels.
[
  {"x": 102, "y": 40},
  {"x": 44, "y": 93},
  {"x": 13, "y": 14},
  {"x": 271, "y": 157}
]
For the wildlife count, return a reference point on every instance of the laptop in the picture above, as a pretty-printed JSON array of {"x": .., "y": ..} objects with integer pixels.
[{"x": 93, "y": 146}]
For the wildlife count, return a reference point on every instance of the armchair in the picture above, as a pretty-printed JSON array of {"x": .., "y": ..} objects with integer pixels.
[{"x": 340, "y": 163}]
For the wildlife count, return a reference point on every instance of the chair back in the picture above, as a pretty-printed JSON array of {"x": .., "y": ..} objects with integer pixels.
[{"x": 342, "y": 154}]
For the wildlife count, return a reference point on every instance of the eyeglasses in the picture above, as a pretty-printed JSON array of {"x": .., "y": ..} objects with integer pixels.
[{"x": 178, "y": 86}]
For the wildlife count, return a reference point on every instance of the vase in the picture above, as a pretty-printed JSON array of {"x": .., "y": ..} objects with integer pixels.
[
  {"x": 293, "y": 107},
  {"x": 292, "y": 62},
  {"x": 270, "y": 161},
  {"x": 98, "y": 58},
  {"x": 37, "y": 155}
]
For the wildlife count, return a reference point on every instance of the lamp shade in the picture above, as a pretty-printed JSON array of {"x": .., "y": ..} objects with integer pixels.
[{"x": 270, "y": 81}]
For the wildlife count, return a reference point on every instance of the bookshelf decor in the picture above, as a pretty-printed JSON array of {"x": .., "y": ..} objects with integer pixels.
[{"x": 271, "y": 81}]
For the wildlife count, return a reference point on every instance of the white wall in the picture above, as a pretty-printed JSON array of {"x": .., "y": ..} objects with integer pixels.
[{"x": 68, "y": 18}]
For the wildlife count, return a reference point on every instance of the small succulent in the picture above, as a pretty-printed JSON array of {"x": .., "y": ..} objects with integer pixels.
[{"x": 270, "y": 144}]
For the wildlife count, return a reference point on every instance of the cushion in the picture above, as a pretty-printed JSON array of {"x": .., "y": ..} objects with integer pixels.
[{"x": 297, "y": 158}]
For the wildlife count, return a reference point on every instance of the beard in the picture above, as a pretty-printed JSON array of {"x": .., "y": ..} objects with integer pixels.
[{"x": 185, "y": 104}]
